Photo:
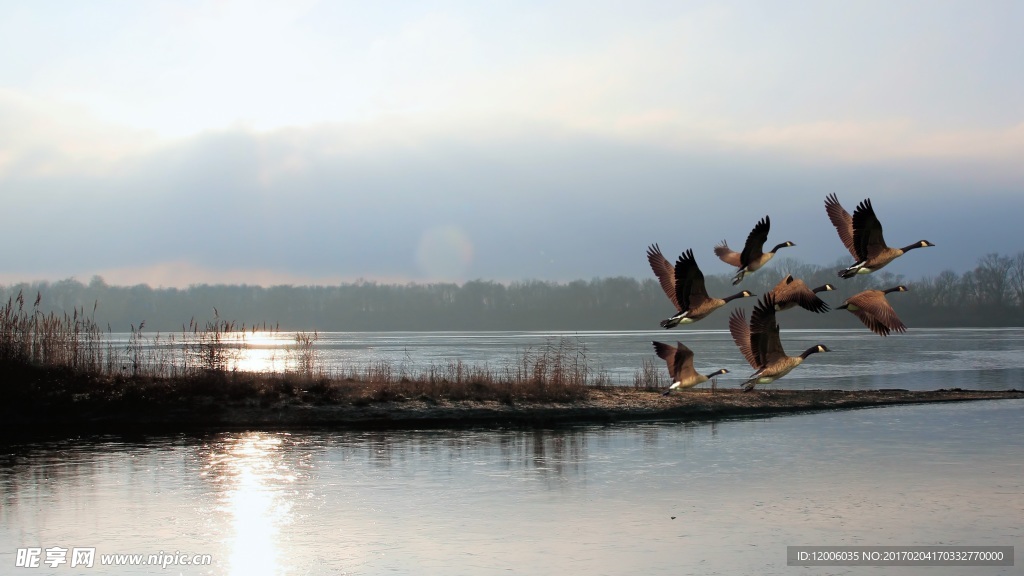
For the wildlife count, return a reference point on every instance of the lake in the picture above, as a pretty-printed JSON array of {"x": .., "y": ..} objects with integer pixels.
[
  {"x": 722, "y": 497},
  {"x": 922, "y": 359}
]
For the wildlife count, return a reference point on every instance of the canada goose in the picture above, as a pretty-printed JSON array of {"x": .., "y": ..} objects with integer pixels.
[
  {"x": 874, "y": 310},
  {"x": 752, "y": 258},
  {"x": 862, "y": 236},
  {"x": 790, "y": 292},
  {"x": 679, "y": 359},
  {"x": 760, "y": 345},
  {"x": 684, "y": 286}
]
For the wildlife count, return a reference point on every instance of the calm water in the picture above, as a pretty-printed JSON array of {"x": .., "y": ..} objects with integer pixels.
[
  {"x": 922, "y": 359},
  {"x": 705, "y": 498}
]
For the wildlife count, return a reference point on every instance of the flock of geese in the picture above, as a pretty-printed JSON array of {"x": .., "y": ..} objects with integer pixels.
[{"x": 758, "y": 339}]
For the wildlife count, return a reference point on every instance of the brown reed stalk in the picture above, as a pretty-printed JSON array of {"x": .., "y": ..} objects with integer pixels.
[
  {"x": 204, "y": 360},
  {"x": 649, "y": 376}
]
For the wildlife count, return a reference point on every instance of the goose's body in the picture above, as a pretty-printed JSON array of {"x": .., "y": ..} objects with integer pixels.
[
  {"x": 862, "y": 236},
  {"x": 684, "y": 286},
  {"x": 753, "y": 256},
  {"x": 760, "y": 344},
  {"x": 791, "y": 292},
  {"x": 679, "y": 359},
  {"x": 874, "y": 310}
]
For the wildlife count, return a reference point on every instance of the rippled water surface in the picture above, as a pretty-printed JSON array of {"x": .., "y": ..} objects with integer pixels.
[
  {"x": 698, "y": 498},
  {"x": 921, "y": 359}
]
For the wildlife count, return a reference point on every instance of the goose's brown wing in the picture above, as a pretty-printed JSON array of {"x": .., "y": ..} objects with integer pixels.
[
  {"x": 764, "y": 332},
  {"x": 783, "y": 288},
  {"x": 727, "y": 255},
  {"x": 684, "y": 363},
  {"x": 843, "y": 222},
  {"x": 871, "y": 322},
  {"x": 795, "y": 290},
  {"x": 679, "y": 359},
  {"x": 663, "y": 270},
  {"x": 867, "y": 232},
  {"x": 740, "y": 332},
  {"x": 667, "y": 353},
  {"x": 876, "y": 313},
  {"x": 690, "y": 290},
  {"x": 754, "y": 247}
]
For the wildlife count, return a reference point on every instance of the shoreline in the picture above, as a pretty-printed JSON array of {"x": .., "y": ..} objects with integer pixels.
[{"x": 600, "y": 406}]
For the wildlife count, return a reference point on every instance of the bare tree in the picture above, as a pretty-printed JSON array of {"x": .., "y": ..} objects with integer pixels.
[
  {"x": 1017, "y": 278},
  {"x": 993, "y": 279},
  {"x": 967, "y": 290},
  {"x": 945, "y": 288}
]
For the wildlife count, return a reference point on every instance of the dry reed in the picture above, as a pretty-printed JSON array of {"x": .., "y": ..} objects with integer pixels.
[{"x": 204, "y": 361}]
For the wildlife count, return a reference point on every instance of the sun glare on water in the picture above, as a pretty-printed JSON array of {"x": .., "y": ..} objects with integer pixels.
[
  {"x": 251, "y": 477},
  {"x": 263, "y": 351}
]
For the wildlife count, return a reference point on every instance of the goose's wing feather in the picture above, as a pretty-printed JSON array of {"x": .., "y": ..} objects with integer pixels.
[
  {"x": 727, "y": 255},
  {"x": 796, "y": 291},
  {"x": 842, "y": 221},
  {"x": 867, "y": 232},
  {"x": 683, "y": 362},
  {"x": 764, "y": 332},
  {"x": 754, "y": 247},
  {"x": 876, "y": 313},
  {"x": 872, "y": 322},
  {"x": 740, "y": 332},
  {"x": 678, "y": 359},
  {"x": 690, "y": 290},
  {"x": 664, "y": 271},
  {"x": 666, "y": 352},
  {"x": 784, "y": 289}
]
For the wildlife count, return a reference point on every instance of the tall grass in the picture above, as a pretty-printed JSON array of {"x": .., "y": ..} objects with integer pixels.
[
  {"x": 650, "y": 376},
  {"x": 305, "y": 358},
  {"x": 557, "y": 371},
  {"x": 217, "y": 346},
  {"x": 28, "y": 336},
  {"x": 204, "y": 359}
]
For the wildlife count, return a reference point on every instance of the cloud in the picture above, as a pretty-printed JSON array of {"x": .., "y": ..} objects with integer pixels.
[
  {"x": 182, "y": 273},
  {"x": 41, "y": 138},
  {"x": 884, "y": 141},
  {"x": 336, "y": 140},
  {"x": 305, "y": 206}
]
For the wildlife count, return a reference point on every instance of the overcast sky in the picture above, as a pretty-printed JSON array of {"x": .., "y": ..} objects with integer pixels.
[{"x": 309, "y": 142}]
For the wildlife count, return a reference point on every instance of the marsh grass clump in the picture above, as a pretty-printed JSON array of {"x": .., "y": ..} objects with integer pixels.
[
  {"x": 217, "y": 346},
  {"x": 305, "y": 358},
  {"x": 31, "y": 337},
  {"x": 206, "y": 361},
  {"x": 649, "y": 376}
]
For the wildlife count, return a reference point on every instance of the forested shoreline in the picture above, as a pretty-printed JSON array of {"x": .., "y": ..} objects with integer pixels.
[{"x": 990, "y": 295}]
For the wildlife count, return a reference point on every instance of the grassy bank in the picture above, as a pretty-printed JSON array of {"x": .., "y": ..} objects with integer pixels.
[
  {"x": 64, "y": 375},
  {"x": 68, "y": 359},
  {"x": 62, "y": 404}
]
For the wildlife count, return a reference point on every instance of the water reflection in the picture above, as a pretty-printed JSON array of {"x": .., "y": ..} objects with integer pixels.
[
  {"x": 899, "y": 361},
  {"x": 253, "y": 475},
  {"x": 655, "y": 498}
]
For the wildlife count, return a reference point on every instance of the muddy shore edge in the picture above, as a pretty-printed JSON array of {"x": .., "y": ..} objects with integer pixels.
[{"x": 601, "y": 406}]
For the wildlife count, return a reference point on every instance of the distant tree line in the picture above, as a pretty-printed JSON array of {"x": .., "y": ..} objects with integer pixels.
[{"x": 992, "y": 294}]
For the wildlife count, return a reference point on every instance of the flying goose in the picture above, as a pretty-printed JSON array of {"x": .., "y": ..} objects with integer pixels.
[
  {"x": 874, "y": 310},
  {"x": 684, "y": 286},
  {"x": 679, "y": 359},
  {"x": 862, "y": 236},
  {"x": 791, "y": 292},
  {"x": 760, "y": 345},
  {"x": 752, "y": 257}
]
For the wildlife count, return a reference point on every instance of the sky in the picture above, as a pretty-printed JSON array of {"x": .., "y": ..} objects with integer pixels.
[{"x": 315, "y": 142}]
